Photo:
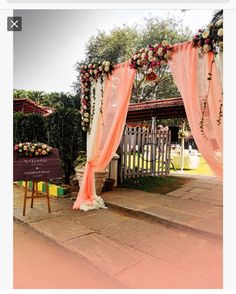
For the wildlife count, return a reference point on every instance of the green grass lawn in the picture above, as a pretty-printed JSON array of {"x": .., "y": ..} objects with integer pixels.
[{"x": 160, "y": 185}]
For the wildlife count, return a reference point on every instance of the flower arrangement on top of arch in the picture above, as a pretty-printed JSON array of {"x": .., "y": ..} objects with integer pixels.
[
  {"x": 210, "y": 39},
  {"x": 89, "y": 74},
  {"x": 151, "y": 57}
]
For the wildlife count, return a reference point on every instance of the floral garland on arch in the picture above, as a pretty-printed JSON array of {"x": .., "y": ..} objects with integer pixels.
[
  {"x": 152, "y": 57},
  {"x": 89, "y": 74},
  {"x": 210, "y": 39}
]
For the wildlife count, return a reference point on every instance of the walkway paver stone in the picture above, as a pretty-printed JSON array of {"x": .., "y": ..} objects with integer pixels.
[
  {"x": 146, "y": 240},
  {"x": 108, "y": 255}
]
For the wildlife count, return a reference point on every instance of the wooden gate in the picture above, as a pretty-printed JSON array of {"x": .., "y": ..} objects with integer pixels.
[{"x": 144, "y": 152}]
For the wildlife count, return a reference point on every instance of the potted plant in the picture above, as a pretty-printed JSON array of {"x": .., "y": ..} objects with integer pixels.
[
  {"x": 79, "y": 169},
  {"x": 109, "y": 183}
]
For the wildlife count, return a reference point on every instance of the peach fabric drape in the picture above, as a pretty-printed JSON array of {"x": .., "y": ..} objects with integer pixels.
[
  {"x": 191, "y": 72},
  {"x": 110, "y": 125}
]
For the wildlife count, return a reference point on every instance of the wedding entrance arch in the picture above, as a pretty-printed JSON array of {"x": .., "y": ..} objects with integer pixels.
[{"x": 106, "y": 90}]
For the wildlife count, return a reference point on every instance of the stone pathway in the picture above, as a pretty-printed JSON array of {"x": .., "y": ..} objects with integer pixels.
[
  {"x": 135, "y": 248},
  {"x": 197, "y": 205}
]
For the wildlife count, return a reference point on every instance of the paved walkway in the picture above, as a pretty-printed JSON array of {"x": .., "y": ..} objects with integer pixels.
[
  {"x": 148, "y": 251},
  {"x": 197, "y": 205}
]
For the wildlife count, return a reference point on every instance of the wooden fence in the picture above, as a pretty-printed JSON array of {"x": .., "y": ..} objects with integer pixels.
[{"x": 144, "y": 152}]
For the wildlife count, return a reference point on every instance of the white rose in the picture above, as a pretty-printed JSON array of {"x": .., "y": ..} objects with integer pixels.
[
  {"x": 100, "y": 68},
  {"x": 86, "y": 114},
  {"x": 220, "y": 32},
  {"x": 107, "y": 68},
  {"x": 86, "y": 120},
  {"x": 164, "y": 43},
  {"x": 95, "y": 71},
  {"x": 138, "y": 62},
  {"x": 150, "y": 59},
  {"x": 150, "y": 53},
  {"x": 143, "y": 55},
  {"x": 107, "y": 63},
  {"x": 135, "y": 56},
  {"x": 156, "y": 45},
  {"x": 219, "y": 22},
  {"x": 205, "y": 34},
  {"x": 146, "y": 50}
]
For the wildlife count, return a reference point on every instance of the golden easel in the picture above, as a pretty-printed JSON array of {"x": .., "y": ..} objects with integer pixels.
[{"x": 35, "y": 194}]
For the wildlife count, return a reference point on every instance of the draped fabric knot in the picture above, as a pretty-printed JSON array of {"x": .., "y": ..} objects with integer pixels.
[{"x": 106, "y": 131}]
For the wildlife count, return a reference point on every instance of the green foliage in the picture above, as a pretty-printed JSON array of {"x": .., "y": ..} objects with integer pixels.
[
  {"x": 29, "y": 128},
  {"x": 65, "y": 134},
  {"x": 118, "y": 46}
]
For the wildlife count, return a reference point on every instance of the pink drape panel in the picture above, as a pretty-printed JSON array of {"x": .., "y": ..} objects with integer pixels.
[
  {"x": 117, "y": 92},
  {"x": 191, "y": 72}
]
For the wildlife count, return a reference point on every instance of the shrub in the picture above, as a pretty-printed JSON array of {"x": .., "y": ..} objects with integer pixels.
[{"x": 29, "y": 128}]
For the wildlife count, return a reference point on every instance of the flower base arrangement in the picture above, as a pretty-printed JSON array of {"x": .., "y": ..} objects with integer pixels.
[{"x": 28, "y": 149}]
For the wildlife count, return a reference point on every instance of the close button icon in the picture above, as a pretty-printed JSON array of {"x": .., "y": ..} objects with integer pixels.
[{"x": 14, "y": 23}]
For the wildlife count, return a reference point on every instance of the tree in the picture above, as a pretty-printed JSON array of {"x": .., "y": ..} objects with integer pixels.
[{"x": 118, "y": 46}]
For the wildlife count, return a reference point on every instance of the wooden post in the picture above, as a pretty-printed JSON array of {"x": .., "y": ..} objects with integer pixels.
[
  {"x": 153, "y": 146},
  {"x": 35, "y": 194},
  {"x": 182, "y": 150}
]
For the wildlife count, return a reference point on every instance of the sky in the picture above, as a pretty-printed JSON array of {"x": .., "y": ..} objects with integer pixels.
[{"x": 52, "y": 41}]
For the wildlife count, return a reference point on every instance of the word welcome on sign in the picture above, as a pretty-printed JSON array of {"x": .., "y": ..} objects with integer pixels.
[{"x": 41, "y": 168}]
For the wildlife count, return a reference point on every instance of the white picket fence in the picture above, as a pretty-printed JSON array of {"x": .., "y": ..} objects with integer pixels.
[{"x": 144, "y": 152}]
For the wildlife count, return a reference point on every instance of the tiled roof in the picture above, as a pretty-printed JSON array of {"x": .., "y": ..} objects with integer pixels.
[
  {"x": 161, "y": 109},
  {"x": 28, "y": 106},
  {"x": 169, "y": 102}
]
